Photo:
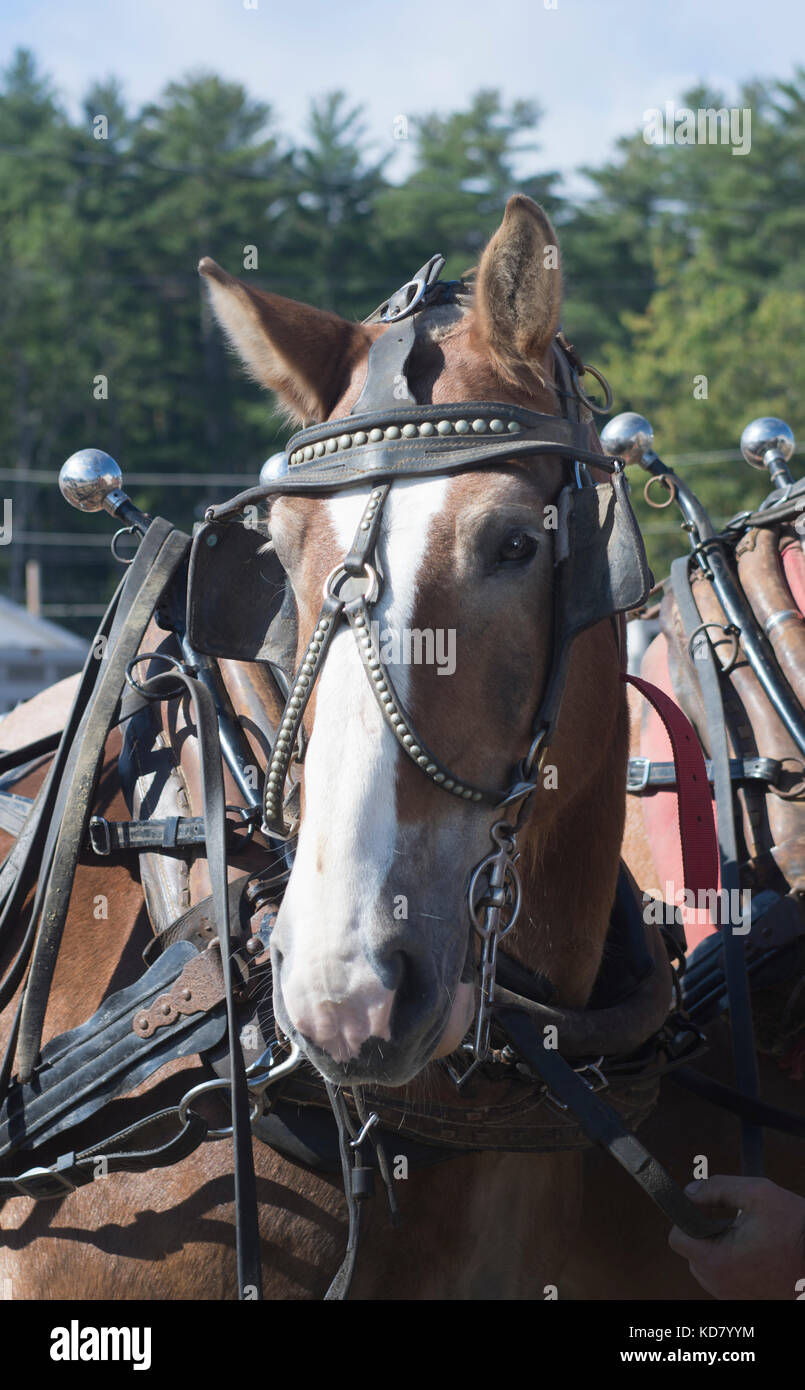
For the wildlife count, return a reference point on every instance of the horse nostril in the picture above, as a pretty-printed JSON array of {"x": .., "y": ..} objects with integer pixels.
[{"x": 392, "y": 969}]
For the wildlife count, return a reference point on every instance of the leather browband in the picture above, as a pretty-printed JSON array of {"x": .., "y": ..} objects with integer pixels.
[{"x": 414, "y": 440}]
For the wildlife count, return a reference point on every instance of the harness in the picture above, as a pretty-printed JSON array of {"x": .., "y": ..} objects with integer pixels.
[
  {"x": 209, "y": 972},
  {"x": 716, "y": 582},
  {"x": 602, "y": 572}
]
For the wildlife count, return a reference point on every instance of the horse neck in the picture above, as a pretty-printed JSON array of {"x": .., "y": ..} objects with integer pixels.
[{"x": 570, "y": 859}]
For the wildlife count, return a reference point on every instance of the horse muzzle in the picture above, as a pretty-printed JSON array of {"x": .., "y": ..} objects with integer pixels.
[{"x": 368, "y": 1033}]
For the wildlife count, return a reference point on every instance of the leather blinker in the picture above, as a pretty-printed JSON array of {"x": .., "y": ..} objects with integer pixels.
[
  {"x": 239, "y": 602},
  {"x": 601, "y": 560}
]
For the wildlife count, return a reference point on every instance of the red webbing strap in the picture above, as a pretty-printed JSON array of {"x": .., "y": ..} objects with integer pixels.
[{"x": 697, "y": 830}]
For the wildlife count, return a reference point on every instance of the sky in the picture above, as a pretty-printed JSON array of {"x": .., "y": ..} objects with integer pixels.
[{"x": 595, "y": 66}]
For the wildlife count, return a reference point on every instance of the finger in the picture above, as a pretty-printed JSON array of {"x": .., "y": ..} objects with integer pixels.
[
  {"x": 725, "y": 1191},
  {"x": 687, "y": 1246}
]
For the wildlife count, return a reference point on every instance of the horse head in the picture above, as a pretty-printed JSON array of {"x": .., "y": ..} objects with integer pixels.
[{"x": 373, "y": 952}]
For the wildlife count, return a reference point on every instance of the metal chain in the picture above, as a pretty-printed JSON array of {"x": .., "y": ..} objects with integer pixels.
[{"x": 500, "y": 902}]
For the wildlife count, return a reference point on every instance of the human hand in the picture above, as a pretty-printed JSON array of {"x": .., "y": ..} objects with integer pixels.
[{"x": 762, "y": 1255}]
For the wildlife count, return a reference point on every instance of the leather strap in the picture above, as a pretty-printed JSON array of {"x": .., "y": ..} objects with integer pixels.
[
  {"x": 742, "y": 1029},
  {"x": 14, "y": 812},
  {"x": 386, "y": 383},
  {"x": 107, "y": 837},
  {"x": 30, "y": 752},
  {"x": 31, "y": 856},
  {"x": 214, "y": 804},
  {"x": 748, "y": 1108},
  {"x": 111, "y": 1053},
  {"x": 72, "y": 1170},
  {"x": 603, "y": 1126},
  {"x": 147, "y": 577},
  {"x": 647, "y": 775},
  {"x": 355, "y": 1193},
  {"x": 397, "y": 456},
  {"x": 697, "y": 830}
]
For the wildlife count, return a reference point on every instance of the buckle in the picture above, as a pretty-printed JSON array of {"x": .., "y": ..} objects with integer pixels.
[
  {"x": 593, "y": 1070},
  {"x": 404, "y": 300},
  {"x": 637, "y": 778},
  {"x": 599, "y": 1082},
  {"x": 409, "y": 296},
  {"x": 45, "y": 1175},
  {"x": 764, "y": 769},
  {"x": 100, "y": 836}
]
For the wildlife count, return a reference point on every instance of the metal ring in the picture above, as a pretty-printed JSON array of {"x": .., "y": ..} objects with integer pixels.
[
  {"x": 670, "y": 484},
  {"x": 729, "y": 630},
  {"x": 371, "y": 574},
  {"x": 781, "y": 616},
  {"x": 201, "y": 1089},
  {"x": 531, "y": 755},
  {"x": 246, "y": 818},
  {"x": 419, "y": 286},
  {"x": 582, "y": 394},
  {"x": 203, "y": 1086},
  {"x": 124, "y": 531},
  {"x": 275, "y": 1070},
  {"x": 155, "y": 656},
  {"x": 509, "y": 873}
]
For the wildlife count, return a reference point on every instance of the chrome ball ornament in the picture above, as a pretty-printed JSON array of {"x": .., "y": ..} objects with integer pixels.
[
  {"x": 87, "y": 478},
  {"x": 274, "y": 467},
  {"x": 629, "y": 436},
  {"x": 767, "y": 441}
]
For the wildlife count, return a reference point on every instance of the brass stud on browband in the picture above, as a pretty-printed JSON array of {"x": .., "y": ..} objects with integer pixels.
[{"x": 424, "y": 429}]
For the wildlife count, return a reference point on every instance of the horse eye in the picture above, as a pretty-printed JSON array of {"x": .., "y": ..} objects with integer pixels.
[{"x": 518, "y": 546}]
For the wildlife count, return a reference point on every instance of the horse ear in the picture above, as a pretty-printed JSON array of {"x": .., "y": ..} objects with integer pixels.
[
  {"x": 518, "y": 293},
  {"x": 306, "y": 355}
]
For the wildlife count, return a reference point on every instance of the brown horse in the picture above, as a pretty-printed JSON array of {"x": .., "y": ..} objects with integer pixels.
[{"x": 371, "y": 943}]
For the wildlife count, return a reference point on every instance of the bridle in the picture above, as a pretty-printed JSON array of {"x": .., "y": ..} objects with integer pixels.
[
  {"x": 389, "y": 435},
  {"x": 601, "y": 572}
]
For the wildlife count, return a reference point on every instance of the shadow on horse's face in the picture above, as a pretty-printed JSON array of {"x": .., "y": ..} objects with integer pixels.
[{"x": 373, "y": 951}]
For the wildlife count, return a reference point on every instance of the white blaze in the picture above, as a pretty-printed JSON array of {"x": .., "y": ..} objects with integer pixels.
[{"x": 333, "y": 903}]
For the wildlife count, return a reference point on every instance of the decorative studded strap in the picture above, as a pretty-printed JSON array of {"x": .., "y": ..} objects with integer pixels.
[
  {"x": 397, "y": 720},
  {"x": 416, "y": 441},
  {"x": 339, "y": 605},
  {"x": 355, "y": 564},
  {"x": 287, "y": 735}
]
